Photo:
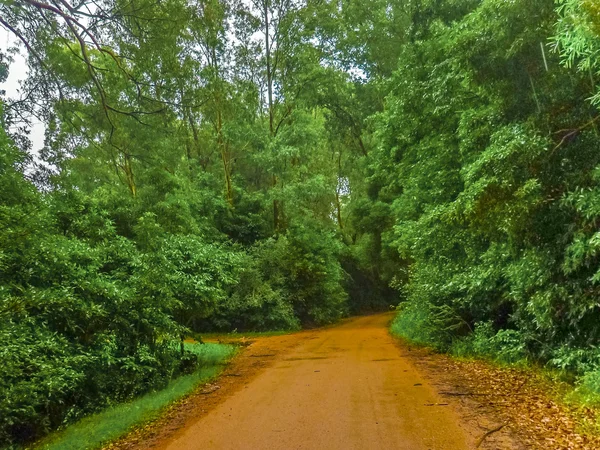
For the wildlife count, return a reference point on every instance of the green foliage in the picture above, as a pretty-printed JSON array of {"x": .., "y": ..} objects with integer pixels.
[
  {"x": 100, "y": 428},
  {"x": 413, "y": 322},
  {"x": 504, "y": 346},
  {"x": 578, "y": 38},
  {"x": 587, "y": 390},
  {"x": 427, "y": 324},
  {"x": 304, "y": 266},
  {"x": 433, "y": 153},
  {"x": 189, "y": 272},
  {"x": 254, "y": 304},
  {"x": 493, "y": 197}
]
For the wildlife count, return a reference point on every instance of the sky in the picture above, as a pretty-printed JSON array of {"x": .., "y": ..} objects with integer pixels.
[{"x": 18, "y": 72}]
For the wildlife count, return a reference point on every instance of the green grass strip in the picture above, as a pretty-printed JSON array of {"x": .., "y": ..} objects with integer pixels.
[
  {"x": 241, "y": 335},
  {"x": 96, "y": 430}
]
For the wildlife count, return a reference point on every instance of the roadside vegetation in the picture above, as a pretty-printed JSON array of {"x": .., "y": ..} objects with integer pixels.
[
  {"x": 101, "y": 428},
  {"x": 497, "y": 190},
  {"x": 256, "y": 165}
]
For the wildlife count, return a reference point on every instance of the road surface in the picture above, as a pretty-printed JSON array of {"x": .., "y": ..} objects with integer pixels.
[{"x": 345, "y": 387}]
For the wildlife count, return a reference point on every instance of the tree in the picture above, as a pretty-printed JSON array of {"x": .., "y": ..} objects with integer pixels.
[{"x": 578, "y": 39}]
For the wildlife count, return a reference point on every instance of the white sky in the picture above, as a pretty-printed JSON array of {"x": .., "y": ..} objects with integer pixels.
[{"x": 17, "y": 73}]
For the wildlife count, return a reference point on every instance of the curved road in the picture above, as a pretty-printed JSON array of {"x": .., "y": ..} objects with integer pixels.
[{"x": 345, "y": 387}]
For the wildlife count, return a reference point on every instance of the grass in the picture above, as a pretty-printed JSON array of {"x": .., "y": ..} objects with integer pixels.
[
  {"x": 240, "y": 335},
  {"x": 108, "y": 425},
  {"x": 412, "y": 323}
]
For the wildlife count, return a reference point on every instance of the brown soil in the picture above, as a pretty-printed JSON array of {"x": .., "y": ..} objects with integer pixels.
[{"x": 355, "y": 387}]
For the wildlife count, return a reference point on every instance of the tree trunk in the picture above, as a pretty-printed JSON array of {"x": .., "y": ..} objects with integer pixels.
[
  {"x": 128, "y": 170},
  {"x": 269, "y": 74}
]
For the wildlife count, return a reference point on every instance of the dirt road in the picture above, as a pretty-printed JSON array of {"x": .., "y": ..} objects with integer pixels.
[{"x": 346, "y": 387}]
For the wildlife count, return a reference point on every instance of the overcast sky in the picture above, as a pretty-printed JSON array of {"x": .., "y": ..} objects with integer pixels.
[{"x": 18, "y": 72}]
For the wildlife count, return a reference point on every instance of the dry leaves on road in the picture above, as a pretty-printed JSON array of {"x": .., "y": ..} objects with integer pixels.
[{"x": 512, "y": 404}]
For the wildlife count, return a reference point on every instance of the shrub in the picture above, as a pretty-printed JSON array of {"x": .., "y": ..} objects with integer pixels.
[
  {"x": 304, "y": 266},
  {"x": 254, "y": 305},
  {"x": 505, "y": 346},
  {"x": 427, "y": 324}
]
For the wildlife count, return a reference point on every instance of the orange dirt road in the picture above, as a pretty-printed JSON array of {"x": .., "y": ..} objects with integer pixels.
[{"x": 345, "y": 387}]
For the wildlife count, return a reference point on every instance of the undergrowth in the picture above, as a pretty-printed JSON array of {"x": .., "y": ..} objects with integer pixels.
[
  {"x": 425, "y": 325},
  {"x": 94, "y": 431}
]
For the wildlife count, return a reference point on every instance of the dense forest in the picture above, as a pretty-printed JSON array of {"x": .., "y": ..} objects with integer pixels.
[{"x": 218, "y": 165}]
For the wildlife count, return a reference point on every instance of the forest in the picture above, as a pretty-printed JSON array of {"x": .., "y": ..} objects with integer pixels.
[{"x": 253, "y": 165}]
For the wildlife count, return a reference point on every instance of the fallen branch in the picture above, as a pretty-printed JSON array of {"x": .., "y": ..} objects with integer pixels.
[
  {"x": 488, "y": 434},
  {"x": 464, "y": 394},
  {"x": 480, "y": 394}
]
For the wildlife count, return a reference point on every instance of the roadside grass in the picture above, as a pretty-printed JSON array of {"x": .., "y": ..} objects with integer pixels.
[
  {"x": 412, "y": 323},
  {"x": 96, "y": 430},
  {"x": 238, "y": 335}
]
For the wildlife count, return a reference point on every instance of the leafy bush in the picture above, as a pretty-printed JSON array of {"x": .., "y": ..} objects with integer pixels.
[
  {"x": 253, "y": 305},
  {"x": 187, "y": 272},
  {"x": 577, "y": 361},
  {"x": 72, "y": 319},
  {"x": 111, "y": 423},
  {"x": 427, "y": 324},
  {"x": 304, "y": 266},
  {"x": 70, "y": 332},
  {"x": 413, "y": 322},
  {"x": 505, "y": 346}
]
